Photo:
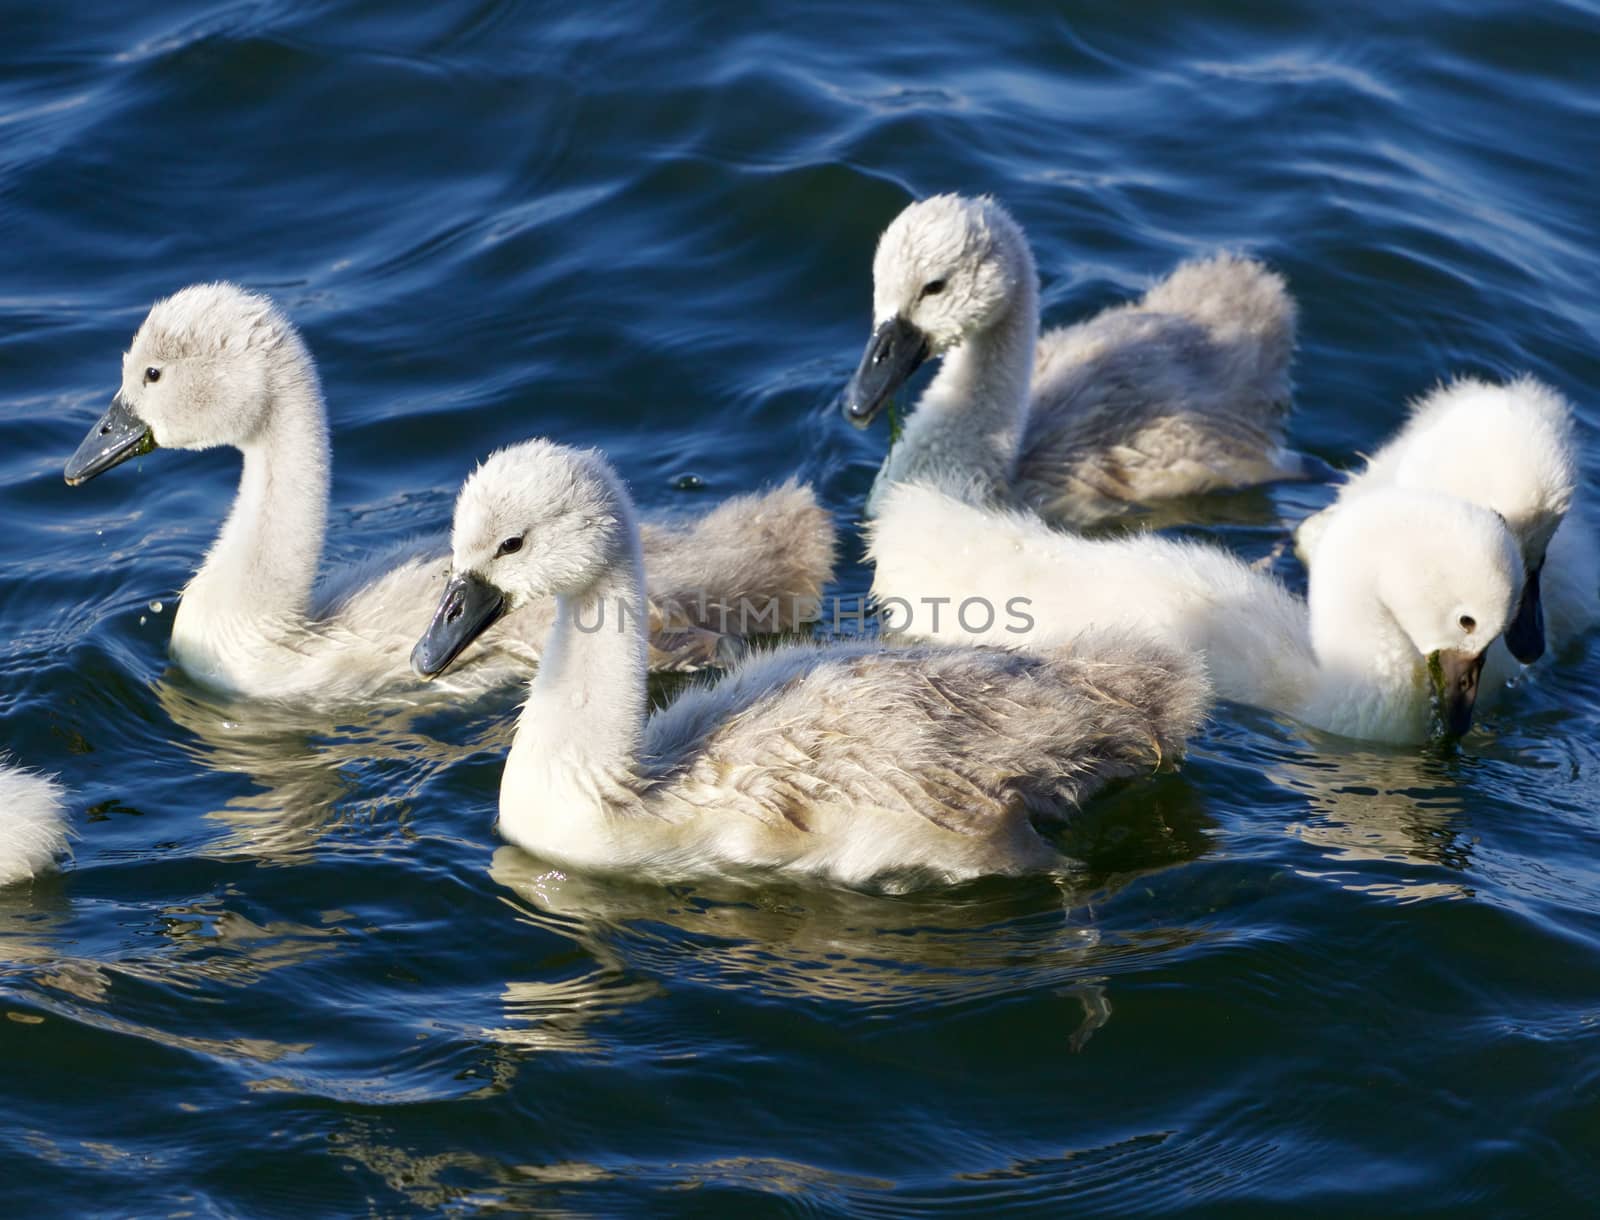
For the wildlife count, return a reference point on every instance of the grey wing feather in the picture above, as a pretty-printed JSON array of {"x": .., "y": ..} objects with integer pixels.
[
  {"x": 1183, "y": 392},
  {"x": 755, "y": 563},
  {"x": 961, "y": 737}
]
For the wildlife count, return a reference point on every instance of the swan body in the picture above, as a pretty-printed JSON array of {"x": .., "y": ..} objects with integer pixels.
[
  {"x": 855, "y": 762},
  {"x": 33, "y": 828},
  {"x": 1511, "y": 448},
  {"x": 1411, "y": 589},
  {"x": 1183, "y": 392},
  {"x": 215, "y": 365}
]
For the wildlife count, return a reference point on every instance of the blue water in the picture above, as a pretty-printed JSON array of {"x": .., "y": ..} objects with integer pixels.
[{"x": 291, "y": 971}]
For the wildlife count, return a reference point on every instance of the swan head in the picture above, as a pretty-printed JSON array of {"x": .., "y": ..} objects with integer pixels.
[
  {"x": 946, "y": 268},
  {"x": 201, "y": 371},
  {"x": 1445, "y": 571},
  {"x": 534, "y": 520},
  {"x": 1509, "y": 448}
]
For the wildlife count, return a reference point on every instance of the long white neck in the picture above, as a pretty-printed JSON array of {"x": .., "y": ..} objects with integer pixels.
[
  {"x": 964, "y": 435},
  {"x": 1371, "y": 681},
  {"x": 579, "y": 736},
  {"x": 260, "y": 571}
]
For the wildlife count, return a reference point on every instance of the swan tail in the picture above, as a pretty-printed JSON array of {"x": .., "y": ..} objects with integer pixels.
[
  {"x": 1123, "y": 706},
  {"x": 755, "y": 564},
  {"x": 1143, "y": 684},
  {"x": 1233, "y": 297}
]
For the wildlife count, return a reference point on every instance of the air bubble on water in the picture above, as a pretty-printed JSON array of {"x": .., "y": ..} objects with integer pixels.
[{"x": 155, "y": 607}]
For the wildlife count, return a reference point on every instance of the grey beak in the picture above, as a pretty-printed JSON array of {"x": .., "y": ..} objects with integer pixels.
[
  {"x": 895, "y": 351},
  {"x": 1525, "y": 636},
  {"x": 118, "y": 436},
  {"x": 1455, "y": 681},
  {"x": 469, "y": 607}
]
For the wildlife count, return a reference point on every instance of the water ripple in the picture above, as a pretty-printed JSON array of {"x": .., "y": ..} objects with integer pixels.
[{"x": 1299, "y": 975}]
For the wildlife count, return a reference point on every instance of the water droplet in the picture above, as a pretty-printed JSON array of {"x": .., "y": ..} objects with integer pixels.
[{"x": 155, "y": 607}]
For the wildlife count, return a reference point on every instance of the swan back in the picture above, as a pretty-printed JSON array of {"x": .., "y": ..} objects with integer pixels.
[
  {"x": 1108, "y": 701},
  {"x": 33, "y": 829},
  {"x": 860, "y": 761},
  {"x": 1244, "y": 307},
  {"x": 932, "y": 551},
  {"x": 755, "y": 563},
  {"x": 1507, "y": 447},
  {"x": 1182, "y": 392}
]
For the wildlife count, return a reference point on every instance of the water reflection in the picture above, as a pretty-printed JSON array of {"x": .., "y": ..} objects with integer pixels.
[
  {"x": 434, "y": 1180},
  {"x": 866, "y": 957},
  {"x": 95, "y": 994},
  {"x": 205, "y": 947},
  {"x": 31, "y": 923},
  {"x": 1368, "y": 807},
  {"x": 315, "y": 775},
  {"x": 454, "y": 1178}
]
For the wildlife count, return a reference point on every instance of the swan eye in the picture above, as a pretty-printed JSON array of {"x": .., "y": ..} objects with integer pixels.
[
  {"x": 933, "y": 288},
  {"x": 509, "y": 547},
  {"x": 1468, "y": 623},
  {"x": 152, "y": 374}
]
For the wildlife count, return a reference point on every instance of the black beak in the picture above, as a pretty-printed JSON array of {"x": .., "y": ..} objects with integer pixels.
[
  {"x": 1455, "y": 680},
  {"x": 118, "y": 436},
  {"x": 1525, "y": 636},
  {"x": 895, "y": 351},
  {"x": 469, "y": 607}
]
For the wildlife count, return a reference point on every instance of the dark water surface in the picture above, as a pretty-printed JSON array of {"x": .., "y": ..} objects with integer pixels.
[{"x": 291, "y": 970}]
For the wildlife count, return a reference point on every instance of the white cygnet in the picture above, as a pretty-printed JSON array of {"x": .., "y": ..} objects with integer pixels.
[
  {"x": 215, "y": 365},
  {"x": 854, "y": 762},
  {"x": 1511, "y": 448},
  {"x": 1183, "y": 392},
  {"x": 1409, "y": 591}
]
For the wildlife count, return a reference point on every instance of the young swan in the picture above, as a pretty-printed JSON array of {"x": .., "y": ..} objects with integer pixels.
[
  {"x": 33, "y": 828},
  {"x": 1510, "y": 448},
  {"x": 1183, "y": 392},
  {"x": 851, "y": 762},
  {"x": 216, "y": 365},
  {"x": 1409, "y": 591}
]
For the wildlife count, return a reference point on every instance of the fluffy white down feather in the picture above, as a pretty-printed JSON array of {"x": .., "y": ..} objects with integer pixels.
[
  {"x": 1400, "y": 575},
  {"x": 1512, "y": 448},
  {"x": 33, "y": 826}
]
